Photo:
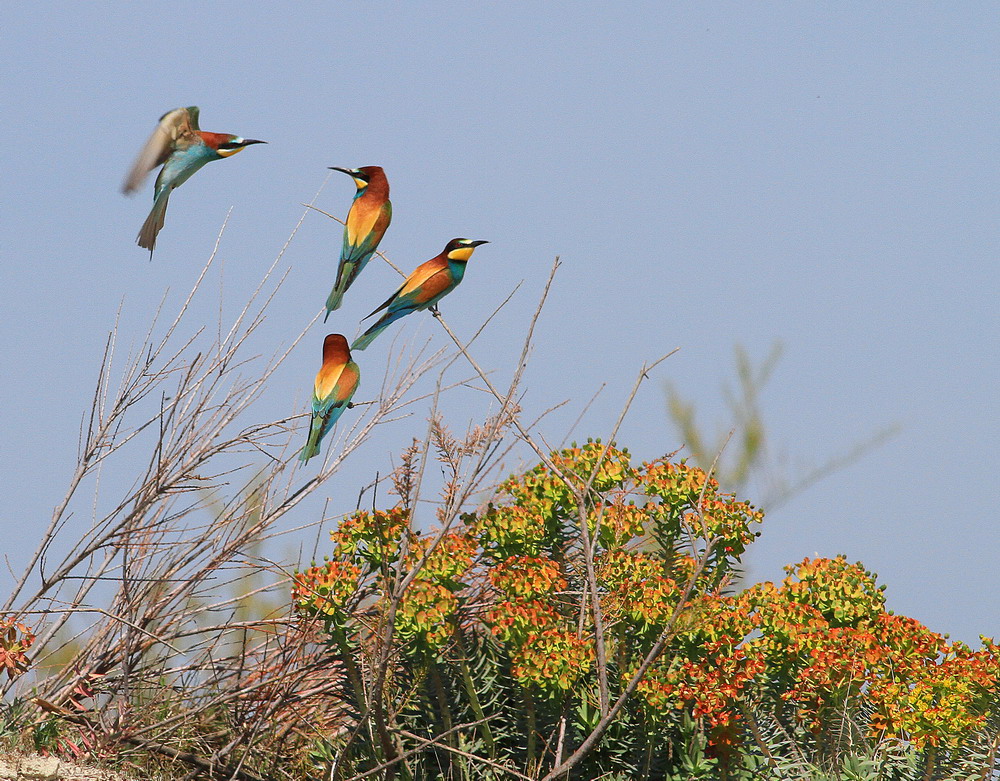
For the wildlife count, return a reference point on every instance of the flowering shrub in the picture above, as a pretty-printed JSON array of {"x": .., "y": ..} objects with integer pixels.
[
  {"x": 325, "y": 589},
  {"x": 500, "y": 617},
  {"x": 825, "y": 634},
  {"x": 822, "y": 643}
]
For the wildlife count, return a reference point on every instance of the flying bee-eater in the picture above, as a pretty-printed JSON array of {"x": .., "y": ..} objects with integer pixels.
[
  {"x": 367, "y": 220},
  {"x": 336, "y": 383},
  {"x": 428, "y": 284},
  {"x": 181, "y": 148}
]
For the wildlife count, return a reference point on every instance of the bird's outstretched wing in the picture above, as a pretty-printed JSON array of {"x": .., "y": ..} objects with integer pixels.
[{"x": 176, "y": 128}]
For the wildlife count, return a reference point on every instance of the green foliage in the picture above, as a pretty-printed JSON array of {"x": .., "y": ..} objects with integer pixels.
[{"x": 45, "y": 734}]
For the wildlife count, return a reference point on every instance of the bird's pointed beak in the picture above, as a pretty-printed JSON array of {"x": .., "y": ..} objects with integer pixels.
[
  {"x": 479, "y": 243},
  {"x": 248, "y": 141},
  {"x": 347, "y": 171}
]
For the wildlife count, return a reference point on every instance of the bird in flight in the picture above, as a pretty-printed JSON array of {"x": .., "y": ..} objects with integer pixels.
[{"x": 181, "y": 148}]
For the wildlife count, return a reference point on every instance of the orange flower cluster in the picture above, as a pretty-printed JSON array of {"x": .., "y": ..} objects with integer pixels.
[
  {"x": 850, "y": 651},
  {"x": 372, "y": 537},
  {"x": 553, "y": 660},
  {"x": 708, "y": 664},
  {"x": 515, "y": 621},
  {"x": 366, "y": 544},
  {"x": 426, "y": 617},
  {"x": 450, "y": 559},
  {"x": 526, "y": 576},
  {"x": 325, "y": 589},
  {"x": 710, "y": 686},
  {"x": 544, "y": 509},
  {"x": 527, "y": 541},
  {"x": 639, "y": 589},
  {"x": 690, "y": 504},
  {"x": 941, "y": 698},
  {"x": 428, "y": 612},
  {"x": 618, "y": 522},
  {"x": 505, "y": 531},
  {"x": 15, "y": 640},
  {"x": 843, "y": 593},
  {"x": 824, "y": 642},
  {"x": 545, "y": 648},
  {"x": 665, "y": 541}
]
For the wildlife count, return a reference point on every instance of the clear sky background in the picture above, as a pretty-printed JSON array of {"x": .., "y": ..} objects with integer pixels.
[{"x": 820, "y": 174}]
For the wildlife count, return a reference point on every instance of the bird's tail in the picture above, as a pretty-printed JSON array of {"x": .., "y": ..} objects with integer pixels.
[
  {"x": 333, "y": 300},
  {"x": 369, "y": 336},
  {"x": 346, "y": 274},
  {"x": 153, "y": 223},
  {"x": 312, "y": 444}
]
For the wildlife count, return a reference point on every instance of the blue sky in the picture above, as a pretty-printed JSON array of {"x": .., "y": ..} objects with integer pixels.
[{"x": 823, "y": 175}]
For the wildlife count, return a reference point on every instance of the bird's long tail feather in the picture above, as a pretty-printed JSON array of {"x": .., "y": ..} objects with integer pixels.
[
  {"x": 348, "y": 272},
  {"x": 369, "y": 336},
  {"x": 151, "y": 227},
  {"x": 319, "y": 427},
  {"x": 312, "y": 444},
  {"x": 334, "y": 299}
]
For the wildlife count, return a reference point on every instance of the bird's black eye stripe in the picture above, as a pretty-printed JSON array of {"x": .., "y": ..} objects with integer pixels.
[{"x": 230, "y": 145}]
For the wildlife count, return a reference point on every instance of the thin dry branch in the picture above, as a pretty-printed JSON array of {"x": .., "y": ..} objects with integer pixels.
[{"x": 195, "y": 509}]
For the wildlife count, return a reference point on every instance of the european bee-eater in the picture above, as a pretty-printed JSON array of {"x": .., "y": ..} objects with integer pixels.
[
  {"x": 335, "y": 385},
  {"x": 367, "y": 220},
  {"x": 182, "y": 149},
  {"x": 428, "y": 284}
]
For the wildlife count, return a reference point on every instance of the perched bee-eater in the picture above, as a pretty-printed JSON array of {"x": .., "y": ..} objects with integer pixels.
[
  {"x": 428, "y": 284},
  {"x": 182, "y": 149},
  {"x": 335, "y": 385},
  {"x": 367, "y": 220}
]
